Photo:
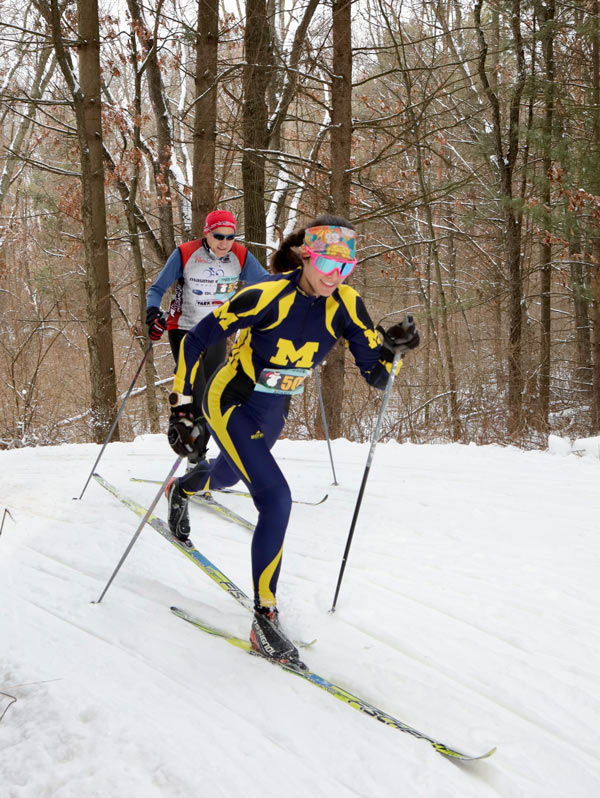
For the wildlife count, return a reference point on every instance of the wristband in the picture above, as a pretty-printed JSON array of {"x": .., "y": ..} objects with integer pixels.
[{"x": 177, "y": 399}]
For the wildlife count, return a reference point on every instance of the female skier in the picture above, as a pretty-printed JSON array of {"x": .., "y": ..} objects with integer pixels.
[{"x": 287, "y": 324}]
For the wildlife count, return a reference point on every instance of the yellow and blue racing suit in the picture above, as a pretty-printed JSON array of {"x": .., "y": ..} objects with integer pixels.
[{"x": 281, "y": 328}]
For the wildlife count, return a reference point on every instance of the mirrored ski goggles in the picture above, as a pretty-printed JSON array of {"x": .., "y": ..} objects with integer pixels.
[
  {"x": 328, "y": 264},
  {"x": 223, "y": 237}
]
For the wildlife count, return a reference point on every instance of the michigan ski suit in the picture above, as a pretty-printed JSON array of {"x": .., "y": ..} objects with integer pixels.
[{"x": 283, "y": 334}]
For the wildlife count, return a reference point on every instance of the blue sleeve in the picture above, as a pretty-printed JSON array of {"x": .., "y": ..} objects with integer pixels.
[
  {"x": 252, "y": 271},
  {"x": 172, "y": 271},
  {"x": 363, "y": 340}
]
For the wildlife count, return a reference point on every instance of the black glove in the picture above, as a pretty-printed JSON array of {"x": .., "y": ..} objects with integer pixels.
[
  {"x": 187, "y": 436},
  {"x": 156, "y": 321},
  {"x": 400, "y": 337}
]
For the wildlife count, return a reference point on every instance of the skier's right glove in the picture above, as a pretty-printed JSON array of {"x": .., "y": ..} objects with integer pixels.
[
  {"x": 156, "y": 321},
  {"x": 400, "y": 337},
  {"x": 187, "y": 435}
]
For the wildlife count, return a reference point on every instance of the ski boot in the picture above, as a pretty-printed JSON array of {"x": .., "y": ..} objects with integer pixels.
[
  {"x": 268, "y": 639},
  {"x": 179, "y": 514}
]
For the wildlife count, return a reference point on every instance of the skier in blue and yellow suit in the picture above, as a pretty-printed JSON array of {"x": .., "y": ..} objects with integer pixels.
[{"x": 287, "y": 324}]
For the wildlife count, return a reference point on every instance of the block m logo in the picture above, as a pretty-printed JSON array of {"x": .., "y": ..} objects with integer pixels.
[{"x": 288, "y": 355}]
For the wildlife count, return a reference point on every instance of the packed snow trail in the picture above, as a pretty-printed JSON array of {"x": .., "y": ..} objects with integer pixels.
[{"x": 469, "y": 609}]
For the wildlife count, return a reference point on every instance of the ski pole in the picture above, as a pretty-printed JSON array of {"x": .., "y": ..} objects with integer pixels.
[
  {"x": 4, "y": 514},
  {"x": 174, "y": 468},
  {"x": 386, "y": 396},
  {"x": 325, "y": 427},
  {"x": 115, "y": 422}
]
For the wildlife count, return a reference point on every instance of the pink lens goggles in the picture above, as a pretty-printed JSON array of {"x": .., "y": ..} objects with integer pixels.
[{"x": 328, "y": 264}]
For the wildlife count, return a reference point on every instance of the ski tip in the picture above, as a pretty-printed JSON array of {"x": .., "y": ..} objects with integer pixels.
[
  {"x": 460, "y": 757},
  {"x": 489, "y": 753}
]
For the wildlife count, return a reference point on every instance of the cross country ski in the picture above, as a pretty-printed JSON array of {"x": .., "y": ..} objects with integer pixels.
[
  {"x": 234, "y": 492},
  {"x": 335, "y": 690}
]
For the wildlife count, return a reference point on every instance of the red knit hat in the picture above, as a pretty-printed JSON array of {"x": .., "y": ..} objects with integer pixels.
[{"x": 219, "y": 219}]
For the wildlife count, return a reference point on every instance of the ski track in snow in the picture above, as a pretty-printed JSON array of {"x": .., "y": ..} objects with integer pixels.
[{"x": 468, "y": 610}]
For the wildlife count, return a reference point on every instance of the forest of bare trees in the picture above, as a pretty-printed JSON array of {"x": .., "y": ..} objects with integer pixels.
[{"x": 462, "y": 139}]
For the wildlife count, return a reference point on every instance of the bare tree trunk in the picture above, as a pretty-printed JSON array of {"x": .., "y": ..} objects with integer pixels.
[
  {"x": 447, "y": 362},
  {"x": 580, "y": 288},
  {"x": 256, "y": 79},
  {"x": 85, "y": 91},
  {"x": 284, "y": 89},
  {"x": 143, "y": 225},
  {"x": 512, "y": 224},
  {"x": 444, "y": 328},
  {"x": 163, "y": 126},
  {"x": 281, "y": 92},
  {"x": 341, "y": 107},
  {"x": 205, "y": 117},
  {"x": 93, "y": 211},
  {"x": 42, "y": 77},
  {"x": 134, "y": 238},
  {"x": 515, "y": 374},
  {"x": 341, "y": 148},
  {"x": 546, "y": 11},
  {"x": 595, "y": 282}
]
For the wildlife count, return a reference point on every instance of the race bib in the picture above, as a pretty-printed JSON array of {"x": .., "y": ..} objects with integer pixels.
[
  {"x": 226, "y": 287},
  {"x": 282, "y": 381}
]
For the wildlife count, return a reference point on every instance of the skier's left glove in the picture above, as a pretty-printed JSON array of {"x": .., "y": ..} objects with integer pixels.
[
  {"x": 187, "y": 435},
  {"x": 399, "y": 337}
]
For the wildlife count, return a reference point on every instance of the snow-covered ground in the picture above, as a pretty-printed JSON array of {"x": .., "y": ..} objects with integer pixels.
[{"x": 469, "y": 610}]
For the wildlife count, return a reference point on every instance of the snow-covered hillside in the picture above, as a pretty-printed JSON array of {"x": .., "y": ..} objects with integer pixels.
[{"x": 469, "y": 610}]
